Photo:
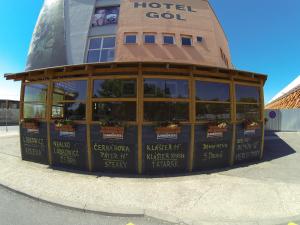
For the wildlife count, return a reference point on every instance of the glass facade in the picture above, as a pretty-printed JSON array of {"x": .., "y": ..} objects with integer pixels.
[
  {"x": 69, "y": 100},
  {"x": 35, "y": 98},
  {"x": 114, "y": 88},
  {"x": 160, "y": 88}
]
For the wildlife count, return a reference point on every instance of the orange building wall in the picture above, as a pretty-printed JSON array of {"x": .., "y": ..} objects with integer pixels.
[{"x": 200, "y": 23}]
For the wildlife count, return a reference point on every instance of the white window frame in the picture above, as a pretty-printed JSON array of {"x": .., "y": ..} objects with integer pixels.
[
  {"x": 101, "y": 46},
  {"x": 131, "y": 34},
  {"x": 186, "y": 36},
  {"x": 169, "y": 35}
]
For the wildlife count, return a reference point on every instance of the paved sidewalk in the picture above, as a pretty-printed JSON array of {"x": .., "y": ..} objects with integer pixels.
[{"x": 267, "y": 193}]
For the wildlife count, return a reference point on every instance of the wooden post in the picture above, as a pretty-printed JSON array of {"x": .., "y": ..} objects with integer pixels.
[
  {"x": 192, "y": 118},
  {"x": 140, "y": 117},
  {"x": 21, "y": 105},
  {"x": 48, "y": 116},
  {"x": 89, "y": 105},
  {"x": 262, "y": 108},
  {"x": 233, "y": 120}
]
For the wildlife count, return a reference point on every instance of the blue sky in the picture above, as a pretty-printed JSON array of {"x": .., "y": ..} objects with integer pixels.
[{"x": 264, "y": 37}]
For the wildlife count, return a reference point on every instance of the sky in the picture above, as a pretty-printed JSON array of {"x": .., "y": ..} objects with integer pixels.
[{"x": 264, "y": 37}]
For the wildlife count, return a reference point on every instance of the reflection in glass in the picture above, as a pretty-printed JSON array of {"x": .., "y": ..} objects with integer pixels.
[
  {"x": 109, "y": 42},
  {"x": 69, "y": 111},
  {"x": 95, "y": 43},
  {"x": 93, "y": 56},
  {"x": 70, "y": 90},
  {"x": 107, "y": 55},
  {"x": 34, "y": 110},
  {"x": 248, "y": 112},
  {"x": 114, "y": 111},
  {"x": 114, "y": 88},
  {"x": 159, "y": 88},
  {"x": 35, "y": 92},
  {"x": 247, "y": 93},
  {"x": 166, "y": 111},
  {"x": 212, "y": 111},
  {"x": 210, "y": 91}
]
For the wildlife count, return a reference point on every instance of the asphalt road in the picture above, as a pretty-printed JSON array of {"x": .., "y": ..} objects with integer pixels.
[{"x": 16, "y": 209}]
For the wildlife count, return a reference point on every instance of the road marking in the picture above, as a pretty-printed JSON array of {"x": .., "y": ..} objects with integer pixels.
[{"x": 292, "y": 224}]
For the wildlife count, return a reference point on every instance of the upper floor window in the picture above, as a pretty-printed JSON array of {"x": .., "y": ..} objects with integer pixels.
[
  {"x": 149, "y": 39},
  {"x": 130, "y": 39},
  {"x": 168, "y": 39},
  {"x": 105, "y": 16},
  {"x": 186, "y": 41},
  {"x": 101, "y": 49}
]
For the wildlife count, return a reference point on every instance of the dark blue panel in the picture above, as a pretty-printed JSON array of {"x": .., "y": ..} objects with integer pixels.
[
  {"x": 34, "y": 143},
  {"x": 248, "y": 144},
  {"x": 211, "y": 151},
  {"x": 69, "y": 150},
  {"x": 114, "y": 155},
  {"x": 162, "y": 156}
]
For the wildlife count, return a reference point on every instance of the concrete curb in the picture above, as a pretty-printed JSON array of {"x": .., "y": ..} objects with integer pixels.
[{"x": 108, "y": 211}]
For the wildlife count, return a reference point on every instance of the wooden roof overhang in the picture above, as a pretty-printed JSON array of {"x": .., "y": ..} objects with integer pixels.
[{"x": 135, "y": 68}]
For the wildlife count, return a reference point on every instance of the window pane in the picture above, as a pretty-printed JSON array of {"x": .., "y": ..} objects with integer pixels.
[
  {"x": 105, "y": 16},
  {"x": 247, "y": 112},
  {"x": 95, "y": 43},
  {"x": 93, "y": 56},
  {"x": 166, "y": 111},
  {"x": 212, "y": 111},
  {"x": 70, "y": 90},
  {"x": 166, "y": 88},
  {"x": 35, "y": 92},
  {"x": 107, "y": 55},
  {"x": 109, "y": 42},
  {"x": 114, "y": 88},
  {"x": 149, "y": 39},
  {"x": 130, "y": 39},
  {"x": 114, "y": 111},
  {"x": 247, "y": 93},
  {"x": 70, "y": 111},
  {"x": 209, "y": 91},
  {"x": 169, "y": 40},
  {"x": 186, "y": 41},
  {"x": 33, "y": 110}
]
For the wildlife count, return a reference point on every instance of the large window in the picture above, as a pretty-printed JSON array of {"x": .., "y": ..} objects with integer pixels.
[
  {"x": 248, "y": 102},
  {"x": 114, "y": 88},
  {"x": 114, "y": 100},
  {"x": 69, "y": 100},
  {"x": 101, "y": 49},
  {"x": 159, "y": 88},
  {"x": 166, "y": 100},
  {"x": 35, "y": 98},
  {"x": 212, "y": 101},
  {"x": 105, "y": 16}
]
